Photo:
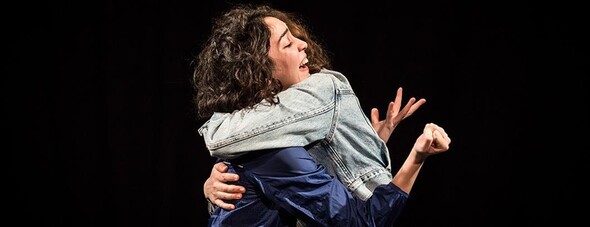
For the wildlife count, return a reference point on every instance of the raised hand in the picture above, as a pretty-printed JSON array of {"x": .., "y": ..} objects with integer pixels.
[
  {"x": 433, "y": 140},
  {"x": 394, "y": 116}
]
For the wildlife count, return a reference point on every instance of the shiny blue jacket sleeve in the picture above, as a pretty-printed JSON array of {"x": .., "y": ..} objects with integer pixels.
[{"x": 290, "y": 178}]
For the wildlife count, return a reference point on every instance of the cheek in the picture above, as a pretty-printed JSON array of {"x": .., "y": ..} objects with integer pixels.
[
  {"x": 278, "y": 73},
  {"x": 281, "y": 66},
  {"x": 281, "y": 74}
]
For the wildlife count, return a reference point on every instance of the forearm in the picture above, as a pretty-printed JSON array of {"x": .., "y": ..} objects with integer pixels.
[
  {"x": 433, "y": 140},
  {"x": 228, "y": 136},
  {"x": 297, "y": 120},
  {"x": 407, "y": 174}
]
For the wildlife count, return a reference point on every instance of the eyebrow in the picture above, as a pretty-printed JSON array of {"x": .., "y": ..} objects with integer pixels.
[{"x": 282, "y": 35}]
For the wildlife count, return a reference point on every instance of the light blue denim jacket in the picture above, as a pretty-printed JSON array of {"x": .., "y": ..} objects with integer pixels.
[{"x": 322, "y": 111}]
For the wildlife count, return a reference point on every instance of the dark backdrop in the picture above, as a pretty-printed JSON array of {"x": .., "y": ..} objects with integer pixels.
[{"x": 100, "y": 129}]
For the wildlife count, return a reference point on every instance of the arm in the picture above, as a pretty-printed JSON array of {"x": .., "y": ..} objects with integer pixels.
[
  {"x": 384, "y": 128},
  {"x": 433, "y": 140},
  {"x": 268, "y": 126},
  {"x": 291, "y": 179}
]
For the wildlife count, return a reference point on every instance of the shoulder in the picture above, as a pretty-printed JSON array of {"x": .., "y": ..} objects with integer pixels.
[
  {"x": 324, "y": 82},
  {"x": 330, "y": 74}
]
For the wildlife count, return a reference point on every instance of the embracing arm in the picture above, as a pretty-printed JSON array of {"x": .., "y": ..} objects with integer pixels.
[
  {"x": 291, "y": 179},
  {"x": 218, "y": 191},
  {"x": 266, "y": 126}
]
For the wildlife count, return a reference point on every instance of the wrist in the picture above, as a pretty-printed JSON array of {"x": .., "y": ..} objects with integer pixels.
[{"x": 418, "y": 157}]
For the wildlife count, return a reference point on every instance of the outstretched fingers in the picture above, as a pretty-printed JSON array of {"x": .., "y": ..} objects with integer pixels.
[{"x": 413, "y": 106}]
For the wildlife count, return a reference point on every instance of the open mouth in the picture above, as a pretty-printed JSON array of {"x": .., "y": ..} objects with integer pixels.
[{"x": 304, "y": 63}]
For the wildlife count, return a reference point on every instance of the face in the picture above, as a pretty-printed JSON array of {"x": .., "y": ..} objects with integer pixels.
[{"x": 287, "y": 53}]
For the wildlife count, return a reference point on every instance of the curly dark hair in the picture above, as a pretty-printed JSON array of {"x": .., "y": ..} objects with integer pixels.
[{"x": 234, "y": 71}]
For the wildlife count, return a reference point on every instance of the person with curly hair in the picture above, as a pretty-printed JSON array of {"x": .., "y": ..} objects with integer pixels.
[{"x": 293, "y": 132}]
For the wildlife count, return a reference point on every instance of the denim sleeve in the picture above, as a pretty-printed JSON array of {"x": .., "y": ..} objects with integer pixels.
[
  {"x": 304, "y": 115},
  {"x": 290, "y": 178}
]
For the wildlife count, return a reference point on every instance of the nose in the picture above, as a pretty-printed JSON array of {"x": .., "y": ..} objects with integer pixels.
[{"x": 302, "y": 45}]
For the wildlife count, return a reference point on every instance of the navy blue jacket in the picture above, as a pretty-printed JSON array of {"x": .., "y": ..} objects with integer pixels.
[{"x": 283, "y": 185}]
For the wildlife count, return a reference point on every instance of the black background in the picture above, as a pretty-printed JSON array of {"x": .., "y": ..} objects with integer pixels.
[{"x": 100, "y": 128}]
